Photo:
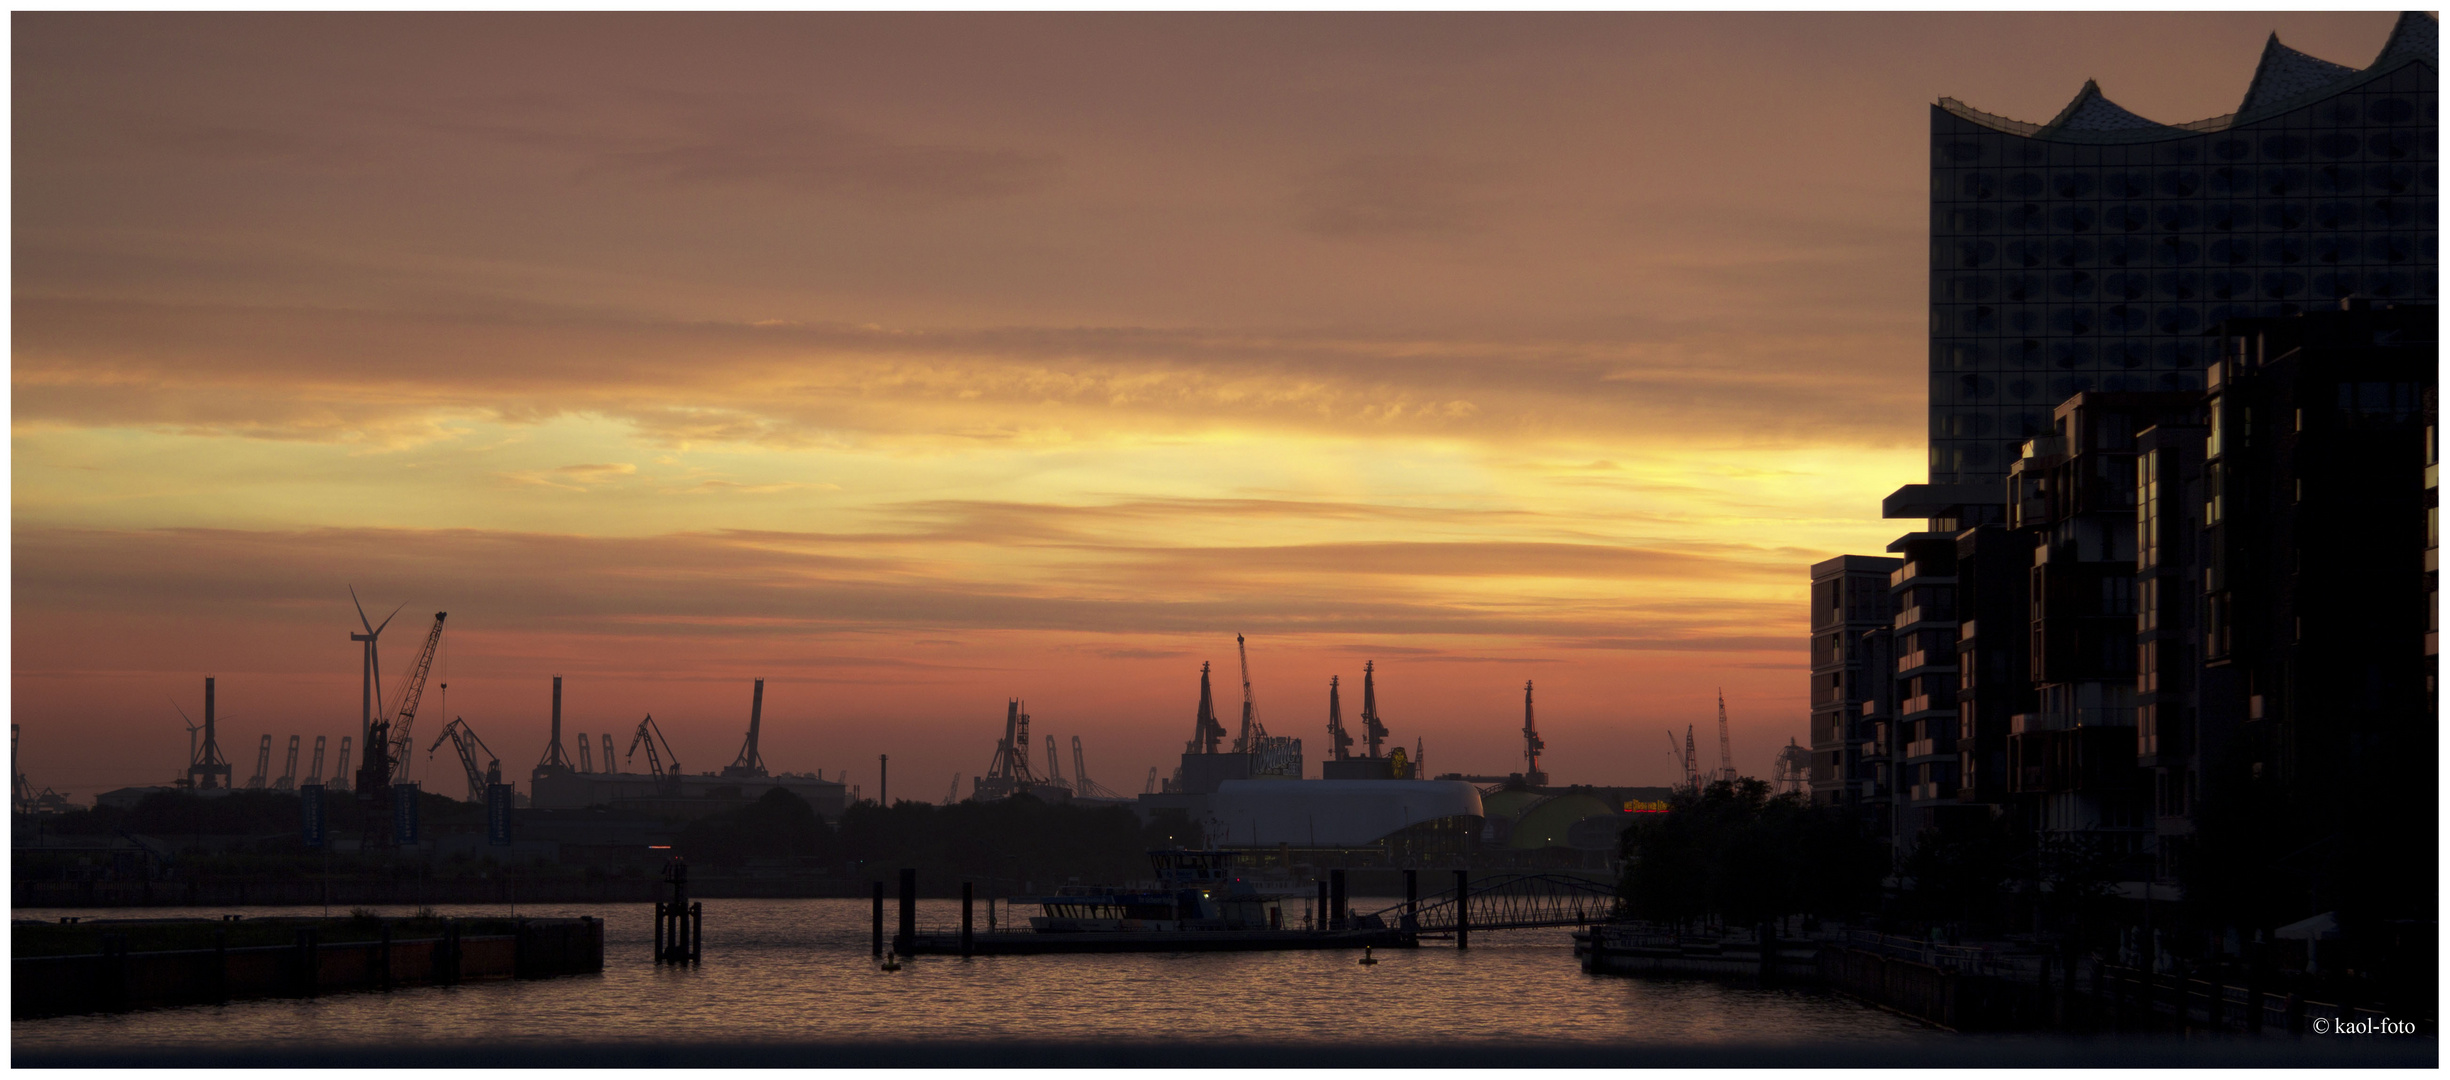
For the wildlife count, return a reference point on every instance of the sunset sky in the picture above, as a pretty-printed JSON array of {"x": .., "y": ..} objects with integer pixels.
[{"x": 914, "y": 362}]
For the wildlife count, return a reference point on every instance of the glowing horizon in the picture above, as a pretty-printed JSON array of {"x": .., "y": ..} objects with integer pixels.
[{"x": 916, "y": 362}]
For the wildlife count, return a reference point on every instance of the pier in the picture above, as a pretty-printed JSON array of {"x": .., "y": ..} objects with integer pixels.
[{"x": 1499, "y": 902}]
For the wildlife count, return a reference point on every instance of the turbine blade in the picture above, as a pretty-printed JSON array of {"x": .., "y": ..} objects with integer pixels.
[
  {"x": 361, "y": 610},
  {"x": 378, "y": 631}
]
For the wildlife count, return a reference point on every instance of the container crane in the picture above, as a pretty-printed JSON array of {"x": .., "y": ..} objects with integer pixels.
[
  {"x": 1082, "y": 785},
  {"x": 586, "y": 758},
  {"x": 314, "y": 774},
  {"x": 665, "y": 768},
  {"x": 751, "y": 764},
  {"x": 263, "y": 764},
  {"x": 463, "y": 738},
  {"x": 606, "y": 736},
  {"x": 340, "y": 768},
  {"x": 953, "y": 794},
  {"x": 289, "y": 771},
  {"x": 403, "y": 719},
  {"x": 1054, "y": 765}
]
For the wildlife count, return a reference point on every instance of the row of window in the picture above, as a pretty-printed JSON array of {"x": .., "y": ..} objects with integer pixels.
[{"x": 2393, "y": 174}]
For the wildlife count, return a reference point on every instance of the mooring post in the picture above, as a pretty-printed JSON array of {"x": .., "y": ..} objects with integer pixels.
[
  {"x": 1463, "y": 909},
  {"x": 697, "y": 930},
  {"x": 308, "y": 962},
  {"x": 659, "y": 932},
  {"x": 965, "y": 918},
  {"x": 908, "y": 931},
  {"x": 876, "y": 928},
  {"x": 382, "y": 959},
  {"x": 1321, "y": 923},
  {"x": 1335, "y": 897}
]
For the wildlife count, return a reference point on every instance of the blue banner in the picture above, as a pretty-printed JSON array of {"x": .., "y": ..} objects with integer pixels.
[
  {"x": 404, "y": 814},
  {"x": 310, "y": 814},
  {"x": 500, "y": 800}
]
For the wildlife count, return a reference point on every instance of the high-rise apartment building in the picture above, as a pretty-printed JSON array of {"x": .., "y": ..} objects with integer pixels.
[{"x": 2092, "y": 252}]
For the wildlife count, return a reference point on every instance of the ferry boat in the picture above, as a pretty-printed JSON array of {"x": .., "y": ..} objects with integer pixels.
[{"x": 1195, "y": 891}]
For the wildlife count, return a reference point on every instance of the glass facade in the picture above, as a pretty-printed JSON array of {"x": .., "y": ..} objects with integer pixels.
[{"x": 2091, "y": 253}]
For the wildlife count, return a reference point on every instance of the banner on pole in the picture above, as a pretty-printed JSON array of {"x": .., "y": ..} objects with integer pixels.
[
  {"x": 500, "y": 800},
  {"x": 310, "y": 814},
  {"x": 403, "y": 814}
]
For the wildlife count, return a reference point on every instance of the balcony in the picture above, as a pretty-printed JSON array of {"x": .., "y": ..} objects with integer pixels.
[
  {"x": 1917, "y": 573},
  {"x": 1920, "y": 660},
  {"x": 1923, "y": 748},
  {"x": 1941, "y": 616},
  {"x": 1914, "y": 707}
]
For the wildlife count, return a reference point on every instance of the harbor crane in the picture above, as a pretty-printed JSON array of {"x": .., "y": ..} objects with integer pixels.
[
  {"x": 1150, "y": 788},
  {"x": 953, "y": 794},
  {"x": 586, "y": 759},
  {"x": 314, "y": 774},
  {"x": 1794, "y": 767},
  {"x": 1726, "y": 760},
  {"x": 606, "y": 736},
  {"x": 1339, "y": 742},
  {"x": 1206, "y": 732},
  {"x": 340, "y": 769},
  {"x": 667, "y": 768},
  {"x": 1252, "y": 729},
  {"x": 1532, "y": 744},
  {"x": 750, "y": 764},
  {"x": 1008, "y": 774},
  {"x": 404, "y": 718},
  {"x": 1684, "y": 757},
  {"x": 463, "y": 738},
  {"x": 22, "y": 798},
  {"x": 1373, "y": 733}
]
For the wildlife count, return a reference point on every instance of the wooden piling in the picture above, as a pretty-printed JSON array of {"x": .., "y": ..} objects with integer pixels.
[
  {"x": 908, "y": 931},
  {"x": 876, "y": 923},
  {"x": 965, "y": 919},
  {"x": 1463, "y": 909}
]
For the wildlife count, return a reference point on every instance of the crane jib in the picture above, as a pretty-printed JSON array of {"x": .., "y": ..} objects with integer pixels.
[{"x": 402, "y": 721}]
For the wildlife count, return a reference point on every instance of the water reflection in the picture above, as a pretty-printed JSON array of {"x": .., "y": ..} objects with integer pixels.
[{"x": 799, "y": 971}]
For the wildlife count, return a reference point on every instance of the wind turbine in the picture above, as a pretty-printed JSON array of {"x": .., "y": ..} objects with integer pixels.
[{"x": 373, "y": 688}]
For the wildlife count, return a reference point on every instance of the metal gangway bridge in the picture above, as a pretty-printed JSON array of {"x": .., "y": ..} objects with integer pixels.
[{"x": 1499, "y": 902}]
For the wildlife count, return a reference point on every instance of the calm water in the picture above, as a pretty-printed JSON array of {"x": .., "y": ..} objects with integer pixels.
[{"x": 799, "y": 971}]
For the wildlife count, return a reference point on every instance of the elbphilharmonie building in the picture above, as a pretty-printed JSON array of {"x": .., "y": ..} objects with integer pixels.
[{"x": 2091, "y": 252}]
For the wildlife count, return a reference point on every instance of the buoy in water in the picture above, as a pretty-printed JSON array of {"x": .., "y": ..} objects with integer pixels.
[
  {"x": 1366, "y": 958},
  {"x": 893, "y": 962}
]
